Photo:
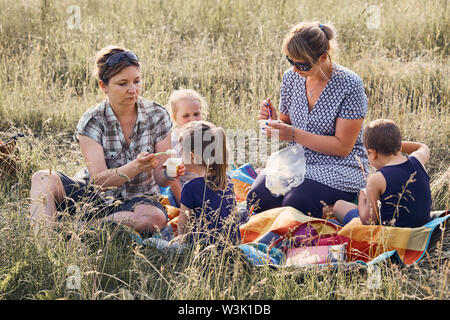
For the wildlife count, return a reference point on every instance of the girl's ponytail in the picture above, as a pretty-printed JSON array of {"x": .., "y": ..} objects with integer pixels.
[
  {"x": 217, "y": 171},
  {"x": 209, "y": 145}
]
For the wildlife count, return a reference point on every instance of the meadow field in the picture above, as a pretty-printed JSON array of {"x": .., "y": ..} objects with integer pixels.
[{"x": 230, "y": 52}]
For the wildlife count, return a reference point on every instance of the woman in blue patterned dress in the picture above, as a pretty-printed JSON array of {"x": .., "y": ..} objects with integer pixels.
[{"x": 322, "y": 108}]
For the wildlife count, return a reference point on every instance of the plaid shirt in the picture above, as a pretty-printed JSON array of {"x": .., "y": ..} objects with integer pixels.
[{"x": 99, "y": 123}]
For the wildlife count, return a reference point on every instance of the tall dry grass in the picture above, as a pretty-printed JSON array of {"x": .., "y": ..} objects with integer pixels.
[{"x": 230, "y": 52}]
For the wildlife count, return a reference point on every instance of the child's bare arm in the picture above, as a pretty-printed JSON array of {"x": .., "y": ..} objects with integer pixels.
[
  {"x": 176, "y": 189},
  {"x": 419, "y": 150},
  {"x": 367, "y": 201},
  {"x": 183, "y": 219}
]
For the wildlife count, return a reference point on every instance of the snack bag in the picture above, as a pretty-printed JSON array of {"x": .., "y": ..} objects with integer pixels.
[{"x": 285, "y": 169}]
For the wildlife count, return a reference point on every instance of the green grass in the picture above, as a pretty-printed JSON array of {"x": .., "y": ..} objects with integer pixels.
[{"x": 230, "y": 51}]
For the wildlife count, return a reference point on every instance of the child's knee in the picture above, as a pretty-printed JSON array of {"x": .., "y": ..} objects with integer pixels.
[{"x": 338, "y": 205}]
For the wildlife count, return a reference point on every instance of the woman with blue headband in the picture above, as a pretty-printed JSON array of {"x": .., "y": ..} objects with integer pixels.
[{"x": 118, "y": 138}]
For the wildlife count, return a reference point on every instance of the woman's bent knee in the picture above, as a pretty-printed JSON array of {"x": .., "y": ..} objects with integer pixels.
[
  {"x": 150, "y": 218},
  {"x": 44, "y": 181},
  {"x": 46, "y": 178}
]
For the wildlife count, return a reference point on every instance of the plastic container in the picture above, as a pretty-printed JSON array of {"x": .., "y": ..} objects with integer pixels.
[
  {"x": 263, "y": 126},
  {"x": 172, "y": 165}
]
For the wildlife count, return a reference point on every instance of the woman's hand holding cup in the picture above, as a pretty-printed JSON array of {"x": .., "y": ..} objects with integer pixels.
[{"x": 285, "y": 132}]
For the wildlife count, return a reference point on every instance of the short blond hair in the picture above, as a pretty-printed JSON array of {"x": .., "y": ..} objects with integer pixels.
[{"x": 181, "y": 94}]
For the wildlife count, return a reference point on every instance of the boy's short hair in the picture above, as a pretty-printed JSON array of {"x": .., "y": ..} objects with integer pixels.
[{"x": 383, "y": 136}]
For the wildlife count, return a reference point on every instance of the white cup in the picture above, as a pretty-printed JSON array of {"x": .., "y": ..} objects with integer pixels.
[
  {"x": 264, "y": 126},
  {"x": 172, "y": 165}
]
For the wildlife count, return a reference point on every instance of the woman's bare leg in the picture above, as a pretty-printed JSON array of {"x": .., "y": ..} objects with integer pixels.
[
  {"x": 144, "y": 219},
  {"x": 46, "y": 188}
]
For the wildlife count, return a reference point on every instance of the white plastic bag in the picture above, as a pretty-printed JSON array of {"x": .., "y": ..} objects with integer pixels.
[{"x": 285, "y": 169}]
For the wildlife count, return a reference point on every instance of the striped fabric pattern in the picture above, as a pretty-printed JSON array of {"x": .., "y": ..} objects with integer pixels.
[{"x": 274, "y": 232}]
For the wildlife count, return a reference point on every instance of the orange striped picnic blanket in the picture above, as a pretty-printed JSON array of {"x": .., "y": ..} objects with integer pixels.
[{"x": 270, "y": 236}]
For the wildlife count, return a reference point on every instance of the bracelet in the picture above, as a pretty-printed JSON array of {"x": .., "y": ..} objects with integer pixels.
[
  {"x": 167, "y": 177},
  {"x": 293, "y": 135}
]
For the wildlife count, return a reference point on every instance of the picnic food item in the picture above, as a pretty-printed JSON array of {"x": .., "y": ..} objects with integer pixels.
[
  {"x": 170, "y": 152},
  {"x": 263, "y": 126},
  {"x": 172, "y": 165},
  {"x": 308, "y": 255}
]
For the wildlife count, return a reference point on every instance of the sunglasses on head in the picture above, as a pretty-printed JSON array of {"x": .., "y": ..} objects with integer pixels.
[{"x": 119, "y": 57}]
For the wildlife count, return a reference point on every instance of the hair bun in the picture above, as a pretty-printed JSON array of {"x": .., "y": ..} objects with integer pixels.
[
  {"x": 308, "y": 40},
  {"x": 329, "y": 32}
]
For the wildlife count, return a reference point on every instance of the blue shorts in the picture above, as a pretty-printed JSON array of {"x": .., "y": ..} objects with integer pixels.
[
  {"x": 86, "y": 196},
  {"x": 354, "y": 213}
]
